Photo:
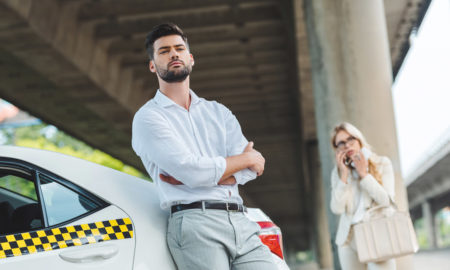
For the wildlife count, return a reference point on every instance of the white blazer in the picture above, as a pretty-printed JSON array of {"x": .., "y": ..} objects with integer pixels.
[{"x": 372, "y": 191}]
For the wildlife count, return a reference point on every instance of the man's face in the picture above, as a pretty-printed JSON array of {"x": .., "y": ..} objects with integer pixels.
[{"x": 171, "y": 59}]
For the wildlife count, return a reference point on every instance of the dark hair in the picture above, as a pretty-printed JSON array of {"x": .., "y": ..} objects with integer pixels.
[{"x": 162, "y": 30}]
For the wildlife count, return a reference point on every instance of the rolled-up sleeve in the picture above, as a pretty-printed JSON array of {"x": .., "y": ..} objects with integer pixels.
[
  {"x": 244, "y": 176},
  {"x": 154, "y": 140},
  {"x": 236, "y": 143}
]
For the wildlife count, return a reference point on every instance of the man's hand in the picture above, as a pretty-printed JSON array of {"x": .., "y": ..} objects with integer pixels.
[
  {"x": 169, "y": 179},
  {"x": 256, "y": 158}
]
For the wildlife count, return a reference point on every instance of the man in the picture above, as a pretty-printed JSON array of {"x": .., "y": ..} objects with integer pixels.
[{"x": 196, "y": 153}]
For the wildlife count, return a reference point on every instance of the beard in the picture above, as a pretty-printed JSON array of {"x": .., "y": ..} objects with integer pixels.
[{"x": 174, "y": 76}]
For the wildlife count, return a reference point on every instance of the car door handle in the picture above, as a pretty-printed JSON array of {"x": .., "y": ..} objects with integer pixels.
[{"x": 90, "y": 254}]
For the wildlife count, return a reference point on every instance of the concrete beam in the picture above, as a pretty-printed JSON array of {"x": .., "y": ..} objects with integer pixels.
[
  {"x": 427, "y": 191},
  {"x": 76, "y": 44},
  {"x": 23, "y": 85},
  {"x": 209, "y": 16},
  {"x": 257, "y": 81},
  {"x": 402, "y": 18},
  {"x": 220, "y": 33},
  {"x": 208, "y": 51},
  {"x": 115, "y": 9}
]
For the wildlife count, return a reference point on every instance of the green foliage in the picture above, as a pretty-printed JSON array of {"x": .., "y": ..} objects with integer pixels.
[
  {"x": 443, "y": 223},
  {"x": 49, "y": 138},
  {"x": 421, "y": 233},
  {"x": 442, "y": 219},
  {"x": 305, "y": 256},
  {"x": 18, "y": 185}
]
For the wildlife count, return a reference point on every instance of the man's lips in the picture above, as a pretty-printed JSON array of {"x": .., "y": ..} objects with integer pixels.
[
  {"x": 178, "y": 63},
  {"x": 349, "y": 153}
]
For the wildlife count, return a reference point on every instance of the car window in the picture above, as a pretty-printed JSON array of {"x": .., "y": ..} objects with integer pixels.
[
  {"x": 19, "y": 208},
  {"x": 24, "y": 187},
  {"x": 61, "y": 203}
]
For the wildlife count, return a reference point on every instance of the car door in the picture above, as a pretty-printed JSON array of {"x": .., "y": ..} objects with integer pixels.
[{"x": 50, "y": 223}]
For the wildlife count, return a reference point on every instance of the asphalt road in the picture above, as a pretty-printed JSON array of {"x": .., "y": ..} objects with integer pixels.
[
  {"x": 423, "y": 260},
  {"x": 432, "y": 260}
]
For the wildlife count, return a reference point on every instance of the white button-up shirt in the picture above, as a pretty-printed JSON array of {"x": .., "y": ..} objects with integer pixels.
[{"x": 190, "y": 146}]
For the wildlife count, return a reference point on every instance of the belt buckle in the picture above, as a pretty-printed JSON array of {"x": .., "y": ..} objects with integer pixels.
[{"x": 232, "y": 210}]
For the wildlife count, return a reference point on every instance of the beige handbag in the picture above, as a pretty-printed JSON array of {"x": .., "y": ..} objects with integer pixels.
[{"x": 385, "y": 233}]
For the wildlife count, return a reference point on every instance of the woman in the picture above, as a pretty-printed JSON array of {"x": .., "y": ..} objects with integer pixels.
[{"x": 360, "y": 180}]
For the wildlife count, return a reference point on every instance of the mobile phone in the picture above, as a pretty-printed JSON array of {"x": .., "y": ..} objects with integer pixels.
[{"x": 347, "y": 161}]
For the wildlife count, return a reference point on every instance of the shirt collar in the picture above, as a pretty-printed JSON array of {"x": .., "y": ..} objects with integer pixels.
[
  {"x": 164, "y": 101},
  {"x": 194, "y": 97}
]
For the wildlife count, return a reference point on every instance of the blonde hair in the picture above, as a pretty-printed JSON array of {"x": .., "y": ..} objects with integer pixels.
[{"x": 353, "y": 131}]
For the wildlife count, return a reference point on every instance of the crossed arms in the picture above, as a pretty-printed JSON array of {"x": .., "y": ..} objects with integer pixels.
[
  {"x": 250, "y": 158},
  {"x": 154, "y": 140}
]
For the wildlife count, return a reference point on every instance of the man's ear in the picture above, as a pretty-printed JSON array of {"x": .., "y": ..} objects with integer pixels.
[
  {"x": 151, "y": 66},
  {"x": 192, "y": 59}
]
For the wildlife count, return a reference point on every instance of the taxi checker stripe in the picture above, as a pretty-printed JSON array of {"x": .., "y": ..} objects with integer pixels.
[{"x": 51, "y": 239}]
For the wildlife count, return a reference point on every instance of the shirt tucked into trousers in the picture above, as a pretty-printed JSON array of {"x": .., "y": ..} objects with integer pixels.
[{"x": 191, "y": 146}]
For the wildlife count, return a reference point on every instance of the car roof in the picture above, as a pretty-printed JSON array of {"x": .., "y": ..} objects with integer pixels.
[{"x": 100, "y": 180}]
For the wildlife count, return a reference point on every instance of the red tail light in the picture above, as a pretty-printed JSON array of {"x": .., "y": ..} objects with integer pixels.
[{"x": 271, "y": 236}]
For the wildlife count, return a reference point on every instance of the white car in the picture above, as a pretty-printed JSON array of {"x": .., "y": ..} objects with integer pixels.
[{"x": 61, "y": 212}]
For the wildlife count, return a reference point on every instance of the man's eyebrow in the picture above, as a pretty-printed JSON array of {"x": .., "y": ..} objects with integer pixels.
[
  {"x": 168, "y": 47},
  {"x": 163, "y": 47}
]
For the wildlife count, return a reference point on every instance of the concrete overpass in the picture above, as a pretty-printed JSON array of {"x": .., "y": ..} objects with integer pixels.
[
  {"x": 429, "y": 186},
  {"x": 81, "y": 66}
]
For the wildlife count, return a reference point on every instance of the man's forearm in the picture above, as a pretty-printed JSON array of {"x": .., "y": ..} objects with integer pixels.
[
  {"x": 250, "y": 158},
  {"x": 235, "y": 164}
]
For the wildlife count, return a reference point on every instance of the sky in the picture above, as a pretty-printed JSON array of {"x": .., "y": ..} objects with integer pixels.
[{"x": 421, "y": 91}]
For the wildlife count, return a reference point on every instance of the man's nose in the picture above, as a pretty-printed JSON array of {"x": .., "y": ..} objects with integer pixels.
[{"x": 174, "y": 53}]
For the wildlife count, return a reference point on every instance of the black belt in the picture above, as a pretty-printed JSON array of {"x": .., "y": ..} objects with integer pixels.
[{"x": 235, "y": 207}]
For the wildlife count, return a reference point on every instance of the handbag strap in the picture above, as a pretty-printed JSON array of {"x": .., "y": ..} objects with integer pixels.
[{"x": 374, "y": 208}]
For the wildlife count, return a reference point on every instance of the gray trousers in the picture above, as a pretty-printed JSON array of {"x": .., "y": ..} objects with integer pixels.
[{"x": 216, "y": 240}]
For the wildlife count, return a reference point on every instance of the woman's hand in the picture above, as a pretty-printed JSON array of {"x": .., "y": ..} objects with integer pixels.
[
  {"x": 340, "y": 163},
  {"x": 360, "y": 164}
]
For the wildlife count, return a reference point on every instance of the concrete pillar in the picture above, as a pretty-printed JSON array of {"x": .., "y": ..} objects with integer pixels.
[
  {"x": 430, "y": 225},
  {"x": 352, "y": 77},
  {"x": 323, "y": 241},
  {"x": 320, "y": 240}
]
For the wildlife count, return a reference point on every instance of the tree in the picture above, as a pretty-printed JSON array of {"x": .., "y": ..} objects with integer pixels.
[{"x": 48, "y": 137}]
